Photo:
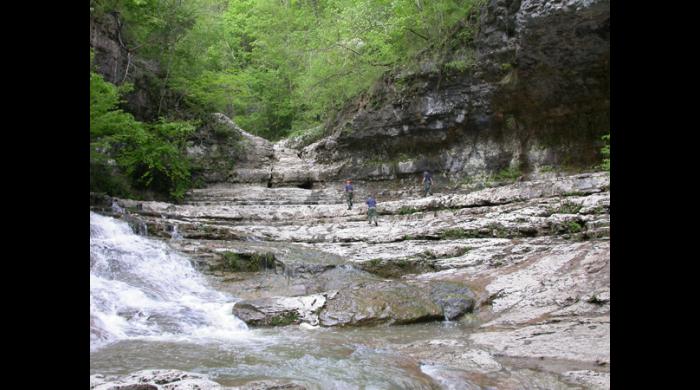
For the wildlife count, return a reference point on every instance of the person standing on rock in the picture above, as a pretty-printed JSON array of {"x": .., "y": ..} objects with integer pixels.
[
  {"x": 427, "y": 183},
  {"x": 348, "y": 193},
  {"x": 372, "y": 210}
]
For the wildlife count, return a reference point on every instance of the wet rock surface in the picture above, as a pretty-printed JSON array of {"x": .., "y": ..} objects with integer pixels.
[
  {"x": 180, "y": 380},
  {"x": 155, "y": 380},
  {"x": 270, "y": 385},
  {"x": 368, "y": 302},
  {"x": 522, "y": 265},
  {"x": 525, "y": 267},
  {"x": 277, "y": 311}
]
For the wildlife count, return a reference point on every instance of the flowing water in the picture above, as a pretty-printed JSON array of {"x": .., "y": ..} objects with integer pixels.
[
  {"x": 149, "y": 308},
  {"x": 140, "y": 289}
]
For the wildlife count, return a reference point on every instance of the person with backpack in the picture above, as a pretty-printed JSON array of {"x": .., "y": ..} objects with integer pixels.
[
  {"x": 348, "y": 193},
  {"x": 372, "y": 210},
  {"x": 427, "y": 183}
]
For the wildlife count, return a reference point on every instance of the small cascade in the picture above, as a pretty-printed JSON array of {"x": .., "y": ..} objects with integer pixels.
[
  {"x": 174, "y": 234},
  {"x": 139, "y": 227},
  {"x": 446, "y": 321},
  {"x": 141, "y": 288},
  {"x": 289, "y": 273},
  {"x": 347, "y": 267},
  {"x": 116, "y": 208}
]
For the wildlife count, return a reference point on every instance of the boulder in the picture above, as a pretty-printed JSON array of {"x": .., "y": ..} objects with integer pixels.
[
  {"x": 364, "y": 303},
  {"x": 280, "y": 311}
]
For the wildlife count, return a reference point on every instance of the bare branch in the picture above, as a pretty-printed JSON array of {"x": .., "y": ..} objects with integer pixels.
[
  {"x": 128, "y": 62},
  {"x": 420, "y": 35}
]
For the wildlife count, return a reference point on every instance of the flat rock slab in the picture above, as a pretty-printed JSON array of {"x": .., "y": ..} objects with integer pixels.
[
  {"x": 155, "y": 380},
  {"x": 583, "y": 340},
  {"x": 452, "y": 353},
  {"x": 180, "y": 380},
  {"x": 458, "y": 379},
  {"x": 594, "y": 380}
]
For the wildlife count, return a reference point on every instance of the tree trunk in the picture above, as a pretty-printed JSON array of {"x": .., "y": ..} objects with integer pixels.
[{"x": 128, "y": 62}]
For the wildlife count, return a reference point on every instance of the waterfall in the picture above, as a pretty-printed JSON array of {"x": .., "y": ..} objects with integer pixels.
[
  {"x": 175, "y": 235},
  {"x": 116, "y": 208},
  {"x": 141, "y": 288}
]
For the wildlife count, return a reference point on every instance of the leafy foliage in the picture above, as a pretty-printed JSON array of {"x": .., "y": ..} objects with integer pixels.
[
  {"x": 507, "y": 174},
  {"x": 278, "y": 67},
  {"x": 282, "y": 66},
  {"x": 406, "y": 210},
  {"x": 565, "y": 208},
  {"x": 573, "y": 227},
  {"x": 154, "y": 158},
  {"x": 126, "y": 154},
  {"x": 243, "y": 262}
]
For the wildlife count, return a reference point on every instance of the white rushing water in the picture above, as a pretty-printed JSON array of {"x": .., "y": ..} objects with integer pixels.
[
  {"x": 142, "y": 289},
  {"x": 149, "y": 308}
]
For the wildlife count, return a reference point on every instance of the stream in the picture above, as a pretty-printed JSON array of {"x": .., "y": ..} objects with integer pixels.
[{"x": 149, "y": 309}]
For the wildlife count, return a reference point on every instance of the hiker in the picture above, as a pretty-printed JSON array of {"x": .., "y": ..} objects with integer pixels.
[
  {"x": 372, "y": 210},
  {"x": 348, "y": 193},
  {"x": 427, "y": 183}
]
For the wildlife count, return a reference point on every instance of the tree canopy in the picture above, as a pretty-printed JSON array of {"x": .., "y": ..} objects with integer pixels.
[{"x": 279, "y": 66}]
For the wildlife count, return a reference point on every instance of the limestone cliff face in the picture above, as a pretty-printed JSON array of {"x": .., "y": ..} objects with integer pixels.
[
  {"x": 221, "y": 152},
  {"x": 536, "y": 95}
]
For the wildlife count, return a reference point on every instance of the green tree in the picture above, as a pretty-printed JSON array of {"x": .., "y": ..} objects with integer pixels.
[
  {"x": 279, "y": 66},
  {"x": 126, "y": 154}
]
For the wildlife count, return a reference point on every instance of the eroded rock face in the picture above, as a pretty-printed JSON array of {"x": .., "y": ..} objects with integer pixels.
[
  {"x": 574, "y": 206},
  {"x": 221, "y": 152},
  {"x": 538, "y": 95}
]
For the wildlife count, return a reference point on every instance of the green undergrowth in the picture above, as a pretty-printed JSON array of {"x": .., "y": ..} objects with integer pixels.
[
  {"x": 395, "y": 268},
  {"x": 406, "y": 210},
  {"x": 248, "y": 262},
  {"x": 459, "y": 233},
  {"x": 565, "y": 208},
  {"x": 507, "y": 175},
  {"x": 283, "y": 319}
]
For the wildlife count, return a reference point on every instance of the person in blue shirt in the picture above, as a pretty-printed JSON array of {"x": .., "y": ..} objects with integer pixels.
[
  {"x": 348, "y": 193},
  {"x": 427, "y": 183},
  {"x": 372, "y": 210}
]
